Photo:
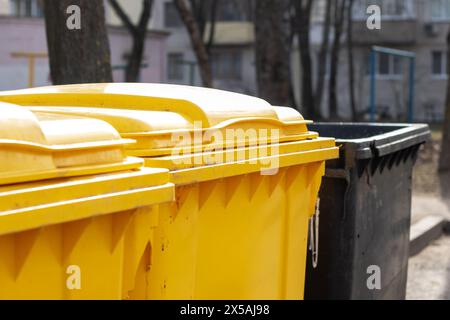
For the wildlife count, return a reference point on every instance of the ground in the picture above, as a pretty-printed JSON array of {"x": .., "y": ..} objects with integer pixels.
[
  {"x": 429, "y": 271},
  {"x": 431, "y": 192}
]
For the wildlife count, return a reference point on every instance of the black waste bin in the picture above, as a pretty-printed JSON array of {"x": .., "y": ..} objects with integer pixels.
[{"x": 365, "y": 209}]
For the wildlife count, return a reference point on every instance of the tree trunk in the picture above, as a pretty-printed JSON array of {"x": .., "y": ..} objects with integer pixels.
[
  {"x": 303, "y": 22},
  {"x": 338, "y": 26},
  {"x": 134, "y": 64},
  {"x": 323, "y": 57},
  {"x": 197, "y": 42},
  {"x": 444, "y": 161},
  {"x": 212, "y": 27},
  {"x": 78, "y": 55},
  {"x": 351, "y": 63},
  {"x": 272, "y": 51},
  {"x": 138, "y": 34}
]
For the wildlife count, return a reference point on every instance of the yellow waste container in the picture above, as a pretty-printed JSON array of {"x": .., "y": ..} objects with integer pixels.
[
  {"x": 247, "y": 176},
  {"x": 76, "y": 215}
]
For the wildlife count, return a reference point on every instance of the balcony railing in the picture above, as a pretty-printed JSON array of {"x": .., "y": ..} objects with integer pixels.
[{"x": 392, "y": 32}]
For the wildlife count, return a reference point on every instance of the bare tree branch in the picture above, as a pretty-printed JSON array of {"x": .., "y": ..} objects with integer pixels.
[
  {"x": 145, "y": 15},
  {"x": 351, "y": 63},
  {"x": 323, "y": 56},
  {"x": 272, "y": 51},
  {"x": 138, "y": 33},
  {"x": 303, "y": 11},
  {"x": 212, "y": 26},
  {"x": 194, "y": 29},
  {"x": 123, "y": 16},
  {"x": 339, "y": 13}
]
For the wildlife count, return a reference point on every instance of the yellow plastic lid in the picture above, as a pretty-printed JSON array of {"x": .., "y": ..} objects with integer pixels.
[
  {"x": 211, "y": 106},
  {"x": 152, "y": 113},
  {"x": 36, "y": 146},
  {"x": 26, "y": 206}
]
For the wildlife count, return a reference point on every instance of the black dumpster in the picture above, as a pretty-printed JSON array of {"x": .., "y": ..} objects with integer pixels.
[{"x": 364, "y": 212}]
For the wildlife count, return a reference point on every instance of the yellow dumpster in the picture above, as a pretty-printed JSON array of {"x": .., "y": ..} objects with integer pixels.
[
  {"x": 76, "y": 215},
  {"x": 247, "y": 176}
]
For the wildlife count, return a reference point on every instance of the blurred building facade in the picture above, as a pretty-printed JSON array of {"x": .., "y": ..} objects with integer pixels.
[
  {"x": 420, "y": 26},
  {"x": 233, "y": 60},
  {"x": 23, "y": 34}
]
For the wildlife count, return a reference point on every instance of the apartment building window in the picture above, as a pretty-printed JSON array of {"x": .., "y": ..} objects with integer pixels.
[
  {"x": 390, "y": 9},
  {"x": 439, "y": 63},
  {"x": 389, "y": 65},
  {"x": 175, "y": 66},
  {"x": 440, "y": 9},
  {"x": 227, "y": 65},
  {"x": 171, "y": 16},
  {"x": 233, "y": 10},
  {"x": 394, "y": 8},
  {"x": 229, "y": 11},
  {"x": 27, "y": 8},
  {"x": 318, "y": 10}
]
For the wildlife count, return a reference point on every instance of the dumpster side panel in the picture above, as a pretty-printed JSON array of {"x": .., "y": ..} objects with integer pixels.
[
  {"x": 139, "y": 233},
  {"x": 174, "y": 247},
  {"x": 304, "y": 183},
  {"x": 30, "y": 265},
  {"x": 69, "y": 261},
  {"x": 334, "y": 271},
  {"x": 242, "y": 237},
  {"x": 384, "y": 199},
  {"x": 364, "y": 223},
  {"x": 94, "y": 258}
]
